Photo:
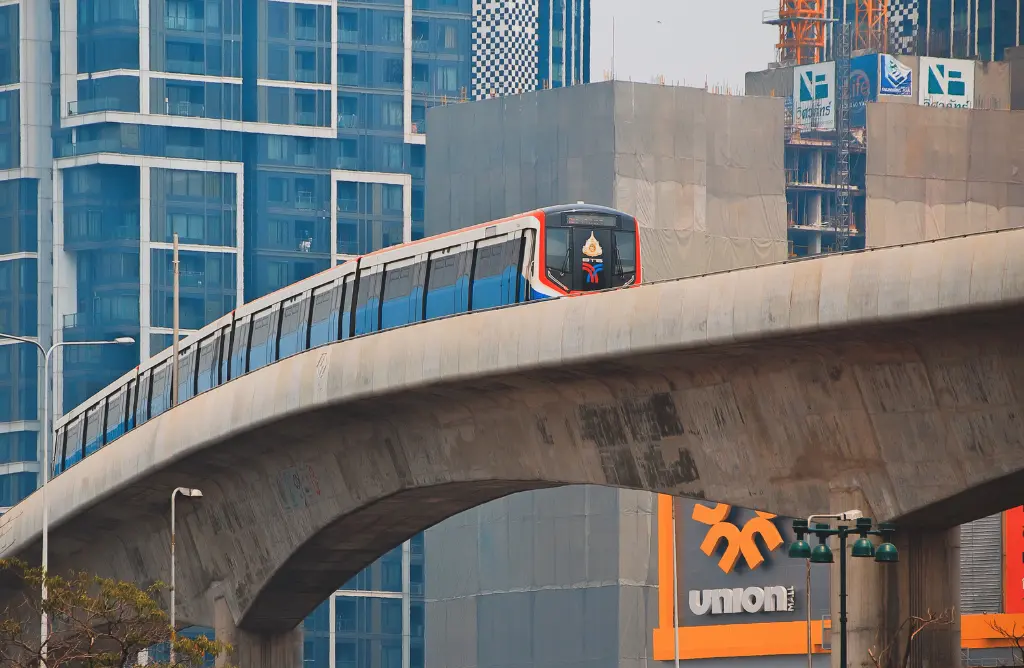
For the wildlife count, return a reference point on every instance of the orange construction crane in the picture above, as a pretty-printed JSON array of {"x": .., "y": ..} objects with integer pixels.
[
  {"x": 872, "y": 21},
  {"x": 801, "y": 31}
]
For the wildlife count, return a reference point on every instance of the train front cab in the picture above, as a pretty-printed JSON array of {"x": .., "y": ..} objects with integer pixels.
[{"x": 589, "y": 251}]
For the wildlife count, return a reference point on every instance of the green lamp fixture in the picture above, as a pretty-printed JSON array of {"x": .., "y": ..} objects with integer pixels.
[
  {"x": 887, "y": 553},
  {"x": 822, "y": 553},
  {"x": 863, "y": 547},
  {"x": 800, "y": 548}
]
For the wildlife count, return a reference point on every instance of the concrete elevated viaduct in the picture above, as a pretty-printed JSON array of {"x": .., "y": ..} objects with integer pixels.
[{"x": 890, "y": 380}]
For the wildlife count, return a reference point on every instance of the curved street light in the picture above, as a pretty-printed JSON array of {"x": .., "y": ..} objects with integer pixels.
[
  {"x": 47, "y": 433},
  {"x": 195, "y": 494}
]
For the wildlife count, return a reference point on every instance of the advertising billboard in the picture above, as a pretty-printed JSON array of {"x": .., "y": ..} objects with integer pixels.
[
  {"x": 863, "y": 87},
  {"x": 896, "y": 79},
  {"x": 735, "y": 568},
  {"x": 947, "y": 83},
  {"x": 814, "y": 88}
]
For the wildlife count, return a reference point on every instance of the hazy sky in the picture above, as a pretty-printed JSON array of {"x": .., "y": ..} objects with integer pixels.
[{"x": 717, "y": 39}]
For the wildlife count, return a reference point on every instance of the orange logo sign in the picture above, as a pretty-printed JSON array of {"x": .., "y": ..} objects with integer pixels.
[{"x": 737, "y": 541}]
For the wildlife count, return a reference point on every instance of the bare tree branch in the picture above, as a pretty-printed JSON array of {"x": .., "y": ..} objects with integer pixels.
[{"x": 889, "y": 657}]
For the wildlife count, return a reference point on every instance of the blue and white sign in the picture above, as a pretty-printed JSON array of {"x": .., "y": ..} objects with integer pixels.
[
  {"x": 896, "y": 79},
  {"x": 863, "y": 87},
  {"x": 814, "y": 94},
  {"x": 947, "y": 83}
]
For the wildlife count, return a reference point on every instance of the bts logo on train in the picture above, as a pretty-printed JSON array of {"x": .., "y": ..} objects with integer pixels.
[{"x": 542, "y": 254}]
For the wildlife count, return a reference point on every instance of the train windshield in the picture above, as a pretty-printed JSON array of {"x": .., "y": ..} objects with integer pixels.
[{"x": 585, "y": 252}]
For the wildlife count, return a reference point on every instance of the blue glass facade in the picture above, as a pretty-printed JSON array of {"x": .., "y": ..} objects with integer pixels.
[
  {"x": 376, "y": 622},
  {"x": 564, "y": 43},
  {"x": 275, "y": 138}
]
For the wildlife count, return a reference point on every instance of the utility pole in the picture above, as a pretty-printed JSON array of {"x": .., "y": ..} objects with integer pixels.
[{"x": 174, "y": 343}]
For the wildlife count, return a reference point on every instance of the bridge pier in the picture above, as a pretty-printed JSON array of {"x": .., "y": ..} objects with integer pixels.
[
  {"x": 255, "y": 650},
  {"x": 883, "y": 597}
]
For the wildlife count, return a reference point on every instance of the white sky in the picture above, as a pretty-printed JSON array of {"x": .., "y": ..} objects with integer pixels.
[{"x": 719, "y": 40}]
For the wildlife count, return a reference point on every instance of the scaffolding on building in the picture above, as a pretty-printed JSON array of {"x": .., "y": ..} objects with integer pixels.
[
  {"x": 872, "y": 21},
  {"x": 842, "y": 211},
  {"x": 801, "y": 26}
]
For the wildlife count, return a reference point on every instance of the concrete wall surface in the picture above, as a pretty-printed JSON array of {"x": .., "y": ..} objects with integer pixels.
[
  {"x": 703, "y": 173},
  {"x": 897, "y": 372},
  {"x": 934, "y": 173}
]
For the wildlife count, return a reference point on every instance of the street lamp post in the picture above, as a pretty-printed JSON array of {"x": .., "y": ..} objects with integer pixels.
[
  {"x": 195, "y": 494},
  {"x": 47, "y": 432},
  {"x": 885, "y": 553}
]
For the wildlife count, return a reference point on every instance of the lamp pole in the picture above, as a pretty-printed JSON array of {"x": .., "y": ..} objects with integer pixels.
[
  {"x": 192, "y": 493},
  {"x": 862, "y": 547},
  {"x": 47, "y": 434}
]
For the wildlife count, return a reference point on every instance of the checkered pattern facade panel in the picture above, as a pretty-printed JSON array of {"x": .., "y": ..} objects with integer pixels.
[
  {"x": 904, "y": 19},
  {"x": 504, "y": 47}
]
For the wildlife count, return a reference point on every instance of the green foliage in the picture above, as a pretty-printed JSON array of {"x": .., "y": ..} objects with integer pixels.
[{"x": 94, "y": 622}]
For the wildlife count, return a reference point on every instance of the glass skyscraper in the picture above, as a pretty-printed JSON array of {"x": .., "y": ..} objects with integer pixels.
[
  {"x": 981, "y": 29},
  {"x": 276, "y": 138}
]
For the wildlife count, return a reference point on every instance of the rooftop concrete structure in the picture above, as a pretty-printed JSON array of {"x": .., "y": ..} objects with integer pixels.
[
  {"x": 702, "y": 172},
  {"x": 896, "y": 373}
]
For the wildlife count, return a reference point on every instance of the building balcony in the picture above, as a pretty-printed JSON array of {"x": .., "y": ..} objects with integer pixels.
[
  {"x": 348, "y": 121},
  {"x": 348, "y": 36},
  {"x": 305, "y": 33},
  {"x": 348, "y": 78},
  {"x": 180, "y": 66},
  {"x": 305, "y": 118},
  {"x": 89, "y": 323},
  {"x": 189, "y": 109},
  {"x": 97, "y": 229},
  {"x": 306, "y": 76},
  {"x": 96, "y": 104},
  {"x": 348, "y": 162},
  {"x": 304, "y": 200},
  {"x": 186, "y": 23}
]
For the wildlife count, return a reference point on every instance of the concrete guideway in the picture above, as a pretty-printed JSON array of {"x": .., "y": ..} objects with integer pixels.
[{"x": 896, "y": 375}]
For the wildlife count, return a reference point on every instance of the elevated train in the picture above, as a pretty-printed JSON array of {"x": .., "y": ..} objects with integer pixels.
[{"x": 542, "y": 254}]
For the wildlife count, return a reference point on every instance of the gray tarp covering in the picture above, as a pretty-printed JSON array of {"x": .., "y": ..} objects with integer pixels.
[{"x": 934, "y": 173}]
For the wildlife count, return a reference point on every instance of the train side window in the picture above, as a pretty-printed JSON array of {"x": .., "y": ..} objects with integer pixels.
[
  {"x": 396, "y": 309},
  {"x": 513, "y": 287},
  {"x": 625, "y": 257},
  {"x": 209, "y": 354},
  {"x": 264, "y": 338},
  {"x": 294, "y": 323},
  {"x": 367, "y": 307},
  {"x": 142, "y": 403},
  {"x": 73, "y": 445},
  {"x": 345, "y": 315},
  {"x": 240, "y": 348},
  {"x": 115, "y": 414},
  {"x": 226, "y": 337},
  {"x": 488, "y": 276},
  {"x": 161, "y": 393},
  {"x": 94, "y": 428},
  {"x": 57, "y": 464},
  {"x": 526, "y": 248},
  {"x": 442, "y": 291},
  {"x": 324, "y": 320},
  {"x": 187, "y": 374},
  {"x": 557, "y": 258},
  {"x": 130, "y": 399}
]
